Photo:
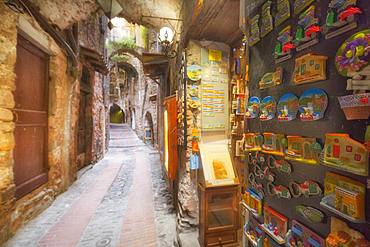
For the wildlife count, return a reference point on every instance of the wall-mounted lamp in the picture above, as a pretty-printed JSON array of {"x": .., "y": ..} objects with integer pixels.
[{"x": 166, "y": 38}]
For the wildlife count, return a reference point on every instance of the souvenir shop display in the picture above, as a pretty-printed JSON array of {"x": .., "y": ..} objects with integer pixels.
[
  {"x": 253, "y": 107},
  {"x": 254, "y": 233},
  {"x": 258, "y": 187},
  {"x": 312, "y": 104},
  {"x": 303, "y": 149},
  {"x": 266, "y": 19},
  {"x": 280, "y": 165},
  {"x": 342, "y": 235},
  {"x": 280, "y": 191},
  {"x": 309, "y": 68},
  {"x": 253, "y": 142},
  {"x": 300, "y": 5},
  {"x": 275, "y": 224},
  {"x": 344, "y": 153},
  {"x": 274, "y": 144},
  {"x": 283, "y": 11},
  {"x": 344, "y": 197},
  {"x": 253, "y": 202},
  {"x": 307, "y": 188},
  {"x": 287, "y": 107},
  {"x": 254, "y": 33},
  {"x": 271, "y": 79},
  {"x": 341, "y": 17},
  {"x": 284, "y": 45},
  {"x": 308, "y": 29},
  {"x": 300, "y": 235},
  {"x": 267, "y": 109},
  {"x": 194, "y": 72},
  {"x": 311, "y": 214}
]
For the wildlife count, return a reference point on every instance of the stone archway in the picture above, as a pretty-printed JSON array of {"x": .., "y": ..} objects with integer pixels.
[
  {"x": 149, "y": 128},
  {"x": 117, "y": 115}
]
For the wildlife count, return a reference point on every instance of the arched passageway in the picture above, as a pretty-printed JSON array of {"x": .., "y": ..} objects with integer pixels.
[
  {"x": 116, "y": 114},
  {"x": 148, "y": 128}
]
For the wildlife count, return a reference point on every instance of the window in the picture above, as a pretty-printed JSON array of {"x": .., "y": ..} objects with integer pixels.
[
  {"x": 349, "y": 149},
  {"x": 357, "y": 157}
]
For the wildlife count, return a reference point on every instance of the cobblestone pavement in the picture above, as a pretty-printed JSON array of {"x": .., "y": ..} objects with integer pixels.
[{"x": 121, "y": 201}]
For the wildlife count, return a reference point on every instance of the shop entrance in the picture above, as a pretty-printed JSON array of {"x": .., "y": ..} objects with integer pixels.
[
  {"x": 148, "y": 127},
  {"x": 84, "y": 120},
  {"x": 31, "y": 118}
]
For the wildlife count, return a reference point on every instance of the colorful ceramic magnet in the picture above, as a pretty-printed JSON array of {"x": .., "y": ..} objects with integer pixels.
[
  {"x": 354, "y": 54},
  {"x": 263, "y": 173},
  {"x": 274, "y": 144},
  {"x": 300, "y": 5},
  {"x": 266, "y": 20},
  {"x": 342, "y": 235},
  {"x": 257, "y": 158},
  {"x": 287, "y": 107},
  {"x": 344, "y": 153},
  {"x": 303, "y": 149},
  {"x": 307, "y": 188},
  {"x": 309, "y": 68},
  {"x": 341, "y": 17},
  {"x": 284, "y": 45},
  {"x": 345, "y": 197},
  {"x": 194, "y": 72},
  {"x": 254, "y": 33},
  {"x": 278, "y": 190},
  {"x": 308, "y": 30},
  {"x": 283, "y": 11},
  {"x": 253, "y": 201},
  {"x": 300, "y": 235},
  {"x": 256, "y": 186},
  {"x": 312, "y": 104},
  {"x": 253, "y": 107},
  {"x": 311, "y": 214},
  {"x": 271, "y": 79},
  {"x": 355, "y": 106},
  {"x": 268, "y": 108},
  {"x": 279, "y": 164},
  {"x": 253, "y": 142},
  {"x": 275, "y": 224}
]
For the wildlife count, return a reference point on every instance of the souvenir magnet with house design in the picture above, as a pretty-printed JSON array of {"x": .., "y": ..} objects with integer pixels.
[
  {"x": 300, "y": 5},
  {"x": 271, "y": 79},
  {"x": 309, "y": 68},
  {"x": 308, "y": 29},
  {"x": 283, "y": 11},
  {"x": 287, "y": 107},
  {"x": 266, "y": 19},
  {"x": 341, "y": 17},
  {"x": 344, "y": 153},
  {"x": 284, "y": 45},
  {"x": 345, "y": 197},
  {"x": 303, "y": 149},
  {"x": 274, "y": 144},
  {"x": 254, "y": 32},
  {"x": 253, "y": 142},
  {"x": 275, "y": 224},
  {"x": 300, "y": 235},
  {"x": 268, "y": 108},
  {"x": 342, "y": 235},
  {"x": 312, "y": 104},
  {"x": 253, "y": 202}
]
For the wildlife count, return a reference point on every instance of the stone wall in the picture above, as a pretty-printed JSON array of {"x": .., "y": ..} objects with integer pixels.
[{"x": 62, "y": 121}]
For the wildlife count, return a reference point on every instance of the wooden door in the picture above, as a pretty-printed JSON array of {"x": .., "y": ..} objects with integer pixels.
[
  {"x": 31, "y": 118},
  {"x": 171, "y": 107}
]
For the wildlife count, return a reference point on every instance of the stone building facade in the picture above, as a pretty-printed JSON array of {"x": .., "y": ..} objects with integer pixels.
[{"x": 63, "y": 103}]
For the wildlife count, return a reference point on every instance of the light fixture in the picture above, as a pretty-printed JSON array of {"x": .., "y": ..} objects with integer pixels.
[{"x": 166, "y": 38}]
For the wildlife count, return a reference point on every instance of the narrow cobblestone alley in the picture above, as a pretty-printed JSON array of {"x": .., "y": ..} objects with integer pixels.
[{"x": 111, "y": 204}]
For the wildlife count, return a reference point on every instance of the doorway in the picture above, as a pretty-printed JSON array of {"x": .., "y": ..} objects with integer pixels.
[
  {"x": 117, "y": 115},
  {"x": 84, "y": 136},
  {"x": 31, "y": 118}
]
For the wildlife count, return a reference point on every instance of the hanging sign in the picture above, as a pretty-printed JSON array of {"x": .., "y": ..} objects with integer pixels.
[{"x": 214, "y": 55}]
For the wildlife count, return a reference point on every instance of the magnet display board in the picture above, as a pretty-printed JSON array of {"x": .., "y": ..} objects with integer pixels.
[{"x": 261, "y": 61}]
